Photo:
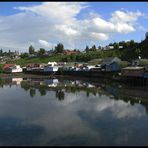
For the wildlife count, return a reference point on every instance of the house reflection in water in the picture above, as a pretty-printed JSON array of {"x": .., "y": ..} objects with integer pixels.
[
  {"x": 17, "y": 81},
  {"x": 12, "y": 81},
  {"x": 51, "y": 82},
  {"x": 65, "y": 87}
]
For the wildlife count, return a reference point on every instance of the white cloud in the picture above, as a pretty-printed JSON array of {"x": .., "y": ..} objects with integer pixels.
[
  {"x": 54, "y": 22},
  {"x": 102, "y": 25},
  {"x": 99, "y": 36},
  {"x": 125, "y": 17},
  {"x": 45, "y": 43},
  {"x": 119, "y": 109},
  {"x": 67, "y": 30},
  {"x": 57, "y": 11},
  {"x": 124, "y": 28}
]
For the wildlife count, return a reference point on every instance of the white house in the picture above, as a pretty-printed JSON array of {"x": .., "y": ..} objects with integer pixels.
[
  {"x": 51, "y": 67},
  {"x": 14, "y": 69},
  {"x": 52, "y": 63}
]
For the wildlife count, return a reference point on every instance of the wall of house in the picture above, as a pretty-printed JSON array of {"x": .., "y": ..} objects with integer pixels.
[{"x": 113, "y": 67}]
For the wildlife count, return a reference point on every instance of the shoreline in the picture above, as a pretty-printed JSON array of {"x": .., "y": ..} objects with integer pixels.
[
  {"x": 66, "y": 76},
  {"x": 61, "y": 76}
]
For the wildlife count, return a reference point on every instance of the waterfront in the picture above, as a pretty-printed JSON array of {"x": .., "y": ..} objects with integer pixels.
[{"x": 72, "y": 111}]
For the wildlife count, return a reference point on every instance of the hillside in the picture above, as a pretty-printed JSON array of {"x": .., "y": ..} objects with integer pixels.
[{"x": 131, "y": 50}]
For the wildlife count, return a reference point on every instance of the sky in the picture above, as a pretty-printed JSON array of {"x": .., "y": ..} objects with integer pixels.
[{"x": 75, "y": 24}]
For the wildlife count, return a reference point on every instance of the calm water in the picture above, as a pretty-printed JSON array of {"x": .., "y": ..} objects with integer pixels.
[{"x": 72, "y": 112}]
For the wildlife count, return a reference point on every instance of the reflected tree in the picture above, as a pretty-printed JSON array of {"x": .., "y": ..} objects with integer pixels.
[
  {"x": 25, "y": 85},
  {"x": 87, "y": 93},
  {"x": 94, "y": 92},
  {"x": 32, "y": 92},
  {"x": 42, "y": 91},
  {"x": 1, "y": 83},
  {"x": 100, "y": 93},
  {"x": 60, "y": 94}
]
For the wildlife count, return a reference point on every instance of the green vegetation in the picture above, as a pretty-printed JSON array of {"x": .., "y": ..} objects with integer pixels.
[
  {"x": 80, "y": 57},
  {"x": 1, "y": 68},
  {"x": 41, "y": 51},
  {"x": 31, "y": 50},
  {"x": 59, "y": 48},
  {"x": 143, "y": 62},
  {"x": 127, "y": 51},
  {"x": 24, "y": 61}
]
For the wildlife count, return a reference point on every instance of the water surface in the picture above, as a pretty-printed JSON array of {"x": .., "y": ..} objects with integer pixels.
[{"x": 72, "y": 112}]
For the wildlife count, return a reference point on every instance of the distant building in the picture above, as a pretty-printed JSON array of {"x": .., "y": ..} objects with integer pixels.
[
  {"x": 32, "y": 56},
  {"x": 32, "y": 65},
  {"x": 69, "y": 52},
  {"x": 120, "y": 47},
  {"x": 111, "y": 47},
  {"x": 7, "y": 66}
]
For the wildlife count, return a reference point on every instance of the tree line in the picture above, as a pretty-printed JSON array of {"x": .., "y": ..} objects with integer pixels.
[{"x": 130, "y": 50}]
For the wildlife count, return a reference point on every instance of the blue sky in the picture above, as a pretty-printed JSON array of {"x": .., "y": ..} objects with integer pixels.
[{"x": 74, "y": 24}]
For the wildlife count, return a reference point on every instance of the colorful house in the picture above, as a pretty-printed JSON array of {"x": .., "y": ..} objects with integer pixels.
[{"x": 12, "y": 68}]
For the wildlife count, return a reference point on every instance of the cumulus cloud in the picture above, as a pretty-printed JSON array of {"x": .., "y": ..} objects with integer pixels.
[
  {"x": 125, "y": 17},
  {"x": 67, "y": 30},
  {"x": 52, "y": 22},
  {"x": 45, "y": 43},
  {"x": 99, "y": 36},
  {"x": 120, "y": 109},
  {"x": 57, "y": 11}
]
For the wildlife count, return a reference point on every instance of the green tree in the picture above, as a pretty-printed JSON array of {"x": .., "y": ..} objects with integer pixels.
[
  {"x": 93, "y": 48},
  {"x": 1, "y": 52},
  {"x": 99, "y": 47},
  {"x": 116, "y": 46},
  {"x": 59, "y": 48},
  {"x": 132, "y": 44},
  {"x": 41, "y": 51},
  {"x": 146, "y": 35},
  {"x": 24, "y": 55},
  {"x": 31, "y": 50},
  {"x": 68, "y": 59},
  {"x": 87, "y": 49}
]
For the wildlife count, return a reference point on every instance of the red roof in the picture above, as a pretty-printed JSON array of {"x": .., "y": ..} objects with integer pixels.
[
  {"x": 33, "y": 65},
  {"x": 69, "y": 52},
  {"x": 8, "y": 66}
]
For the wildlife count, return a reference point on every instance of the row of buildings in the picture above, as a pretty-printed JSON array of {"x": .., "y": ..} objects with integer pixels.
[
  {"x": 109, "y": 64},
  {"x": 138, "y": 68}
]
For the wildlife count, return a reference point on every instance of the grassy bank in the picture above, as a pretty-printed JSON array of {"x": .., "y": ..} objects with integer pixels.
[
  {"x": 25, "y": 61},
  {"x": 1, "y": 68},
  {"x": 80, "y": 57}
]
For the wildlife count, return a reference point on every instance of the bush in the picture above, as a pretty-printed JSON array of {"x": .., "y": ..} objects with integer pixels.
[{"x": 1, "y": 68}]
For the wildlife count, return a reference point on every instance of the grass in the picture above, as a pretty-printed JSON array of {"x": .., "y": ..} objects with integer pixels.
[
  {"x": 25, "y": 61},
  {"x": 1, "y": 68}
]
